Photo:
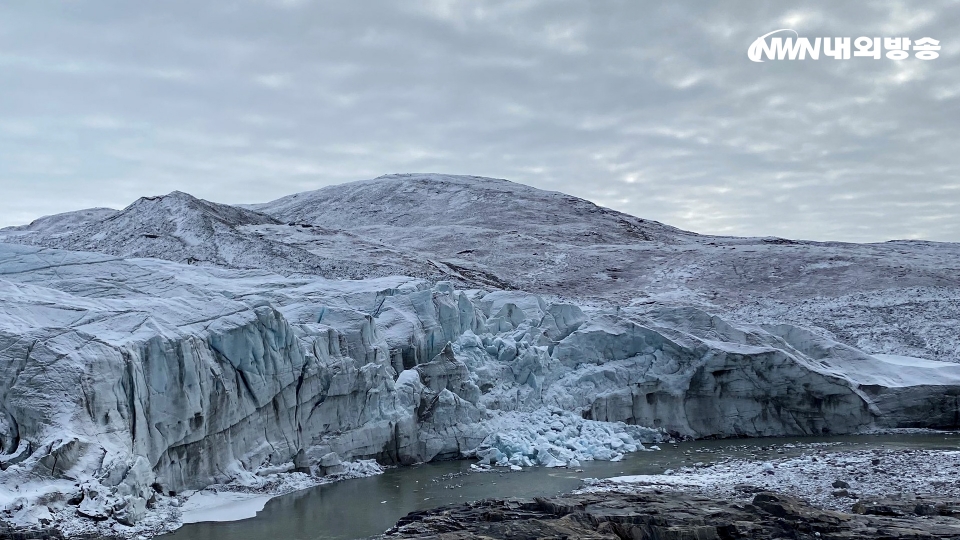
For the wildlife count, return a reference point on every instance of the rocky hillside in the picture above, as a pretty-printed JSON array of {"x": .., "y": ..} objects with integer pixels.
[
  {"x": 181, "y": 228},
  {"x": 426, "y": 201},
  {"x": 60, "y": 224}
]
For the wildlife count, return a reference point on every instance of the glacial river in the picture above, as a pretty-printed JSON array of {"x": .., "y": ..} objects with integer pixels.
[{"x": 366, "y": 507}]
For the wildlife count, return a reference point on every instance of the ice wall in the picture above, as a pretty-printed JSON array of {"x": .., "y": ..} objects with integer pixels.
[{"x": 166, "y": 376}]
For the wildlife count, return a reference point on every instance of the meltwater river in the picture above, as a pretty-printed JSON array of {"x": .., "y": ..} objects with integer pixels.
[{"x": 366, "y": 507}]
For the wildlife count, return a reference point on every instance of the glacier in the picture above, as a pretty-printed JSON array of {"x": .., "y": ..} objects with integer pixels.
[
  {"x": 179, "y": 343},
  {"x": 129, "y": 377}
]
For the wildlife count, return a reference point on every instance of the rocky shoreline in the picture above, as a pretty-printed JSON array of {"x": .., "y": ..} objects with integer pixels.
[
  {"x": 821, "y": 494},
  {"x": 680, "y": 516},
  {"x": 12, "y": 532},
  {"x": 792, "y": 490}
]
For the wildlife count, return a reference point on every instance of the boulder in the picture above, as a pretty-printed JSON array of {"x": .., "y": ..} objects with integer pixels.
[{"x": 330, "y": 464}]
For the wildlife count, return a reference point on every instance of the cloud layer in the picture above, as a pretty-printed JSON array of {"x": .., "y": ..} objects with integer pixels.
[{"x": 649, "y": 108}]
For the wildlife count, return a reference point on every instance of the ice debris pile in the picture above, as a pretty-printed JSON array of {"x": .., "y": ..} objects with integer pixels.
[
  {"x": 125, "y": 378},
  {"x": 557, "y": 439}
]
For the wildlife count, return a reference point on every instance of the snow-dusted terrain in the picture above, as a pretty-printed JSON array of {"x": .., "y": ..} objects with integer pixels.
[
  {"x": 180, "y": 343},
  {"x": 899, "y": 297},
  {"x": 828, "y": 478}
]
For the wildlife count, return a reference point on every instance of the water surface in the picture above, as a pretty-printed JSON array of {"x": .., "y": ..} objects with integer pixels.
[{"x": 365, "y": 507}]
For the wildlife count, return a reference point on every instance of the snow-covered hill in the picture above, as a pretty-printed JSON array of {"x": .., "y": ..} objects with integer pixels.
[
  {"x": 62, "y": 223},
  {"x": 485, "y": 230},
  {"x": 181, "y": 228},
  {"x": 434, "y": 200}
]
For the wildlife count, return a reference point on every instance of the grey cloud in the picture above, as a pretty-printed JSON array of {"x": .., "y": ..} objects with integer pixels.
[{"x": 649, "y": 108}]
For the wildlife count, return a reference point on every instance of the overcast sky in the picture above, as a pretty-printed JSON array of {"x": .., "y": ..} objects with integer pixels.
[{"x": 651, "y": 108}]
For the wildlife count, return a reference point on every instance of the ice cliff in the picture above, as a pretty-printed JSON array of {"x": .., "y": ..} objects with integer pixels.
[{"x": 125, "y": 377}]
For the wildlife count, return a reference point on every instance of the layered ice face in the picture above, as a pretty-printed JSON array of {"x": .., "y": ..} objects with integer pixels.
[{"x": 128, "y": 377}]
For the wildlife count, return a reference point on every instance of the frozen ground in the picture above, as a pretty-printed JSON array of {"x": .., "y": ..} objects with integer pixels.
[
  {"x": 824, "y": 477},
  {"x": 209, "y": 505},
  {"x": 242, "y": 498}
]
